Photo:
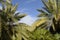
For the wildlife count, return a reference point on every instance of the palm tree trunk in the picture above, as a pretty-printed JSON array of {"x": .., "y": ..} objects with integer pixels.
[{"x": 0, "y": 27}]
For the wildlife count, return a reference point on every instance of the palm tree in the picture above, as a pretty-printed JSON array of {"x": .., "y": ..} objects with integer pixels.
[
  {"x": 8, "y": 20},
  {"x": 50, "y": 12}
]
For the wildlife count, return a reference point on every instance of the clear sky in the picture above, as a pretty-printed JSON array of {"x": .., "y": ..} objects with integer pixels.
[{"x": 28, "y": 6}]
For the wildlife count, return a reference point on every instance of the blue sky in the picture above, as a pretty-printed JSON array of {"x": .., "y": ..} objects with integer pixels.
[{"x": 28, "y": 6}]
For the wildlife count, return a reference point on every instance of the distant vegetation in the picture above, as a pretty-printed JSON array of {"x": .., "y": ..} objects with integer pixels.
[{"x": 45, "y": 28}]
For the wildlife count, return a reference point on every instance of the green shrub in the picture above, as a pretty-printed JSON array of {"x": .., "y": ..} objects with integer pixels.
[{"x": 43, "y": 34}]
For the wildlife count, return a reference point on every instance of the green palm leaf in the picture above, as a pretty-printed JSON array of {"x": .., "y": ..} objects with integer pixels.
[{"x": 50, "y": 11}]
